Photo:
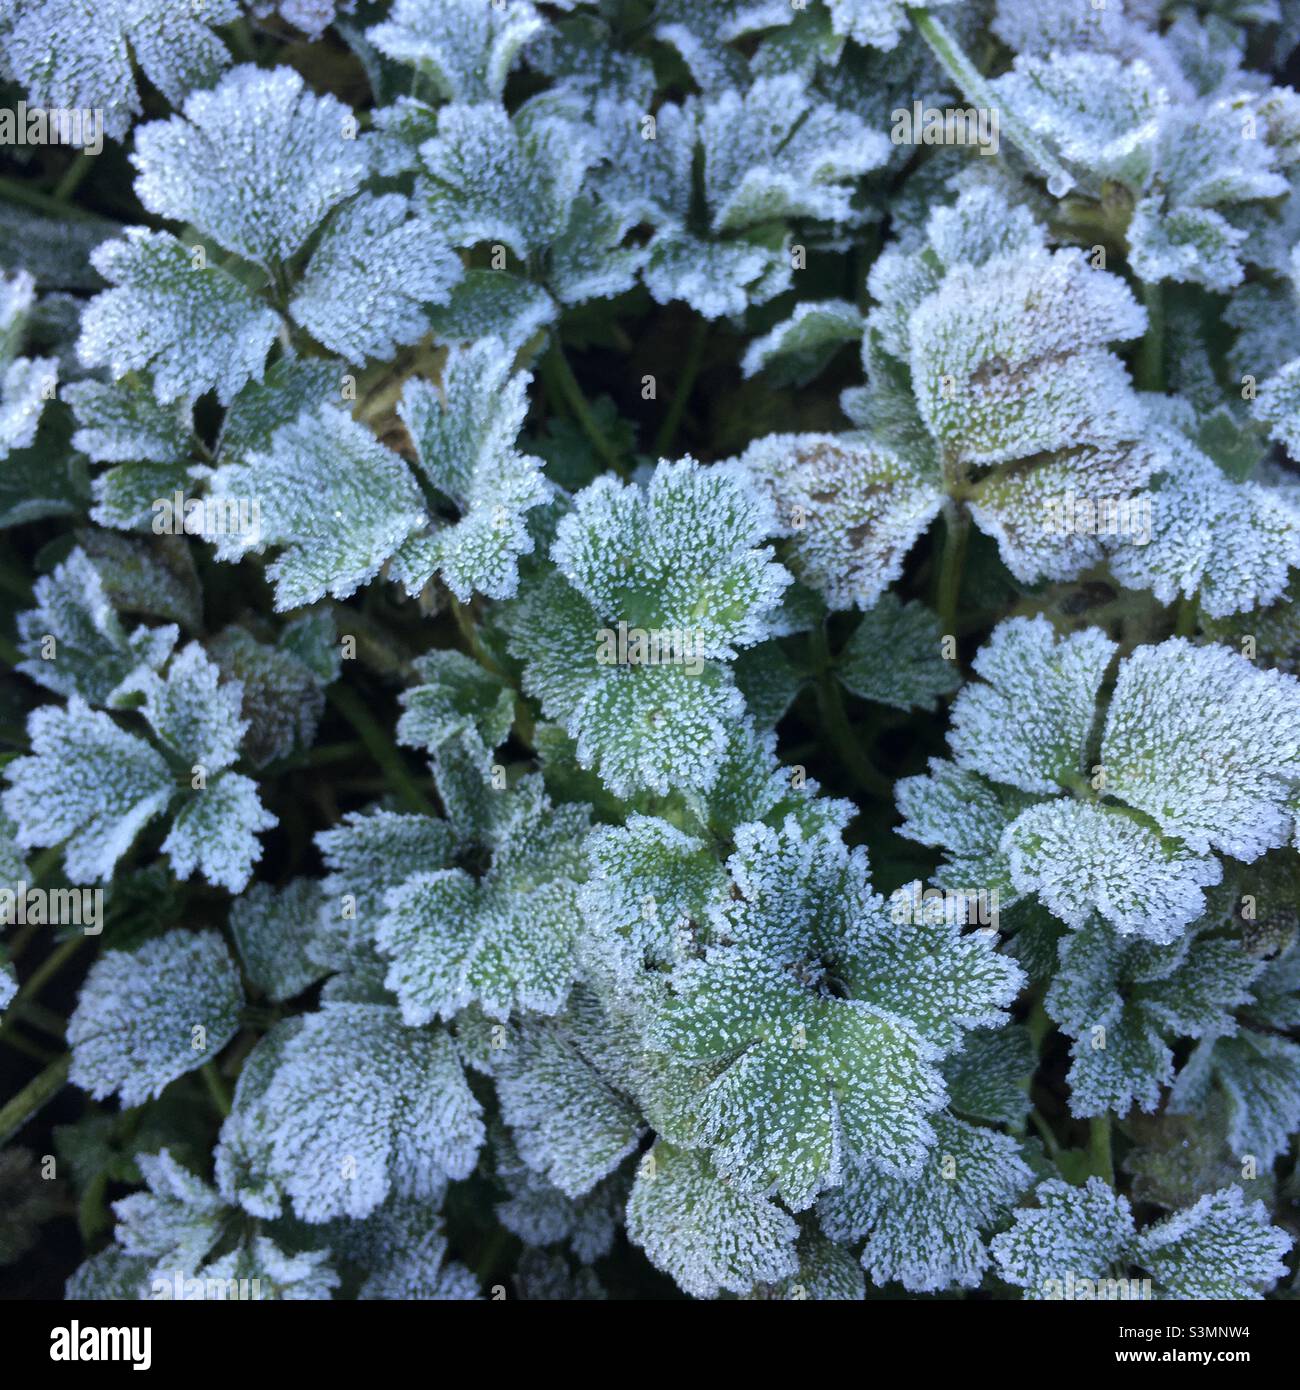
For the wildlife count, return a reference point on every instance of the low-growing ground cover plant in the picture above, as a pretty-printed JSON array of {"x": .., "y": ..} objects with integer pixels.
[{"x": 650, "y": 649}]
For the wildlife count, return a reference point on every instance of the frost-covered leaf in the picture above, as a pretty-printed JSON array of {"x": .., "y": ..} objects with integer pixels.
[
  {"x": 69, "y": 55},
  {"x": 466, "y": 47},
  {"x": 25, "y": 385},
  {"x": 176, "y": 1222},
  {"x": 403, "y": 1249},
  {"x": 195, "y": 328},
  {"x": 1122, "y": 1002},
  {"x": 1223, "y": 1247},
  {"x": 798, "y": 348},
  {"x": 989, "y": 1078},
  {"x": 272, "y": 929},
  {"x": 147, "y": 1016},
  {"x": 1082, "y": 858},
  {"x": 492, "y": 303},
  {"x": 73, "y": 641},
  {"x": 1028, "y": 724},
  {"x": 851, "y": 510},
  {"x": 925, "y": 1232},
  {"x": 360, "y": 1107},
  {"x": 88, "y": 782},
  {"x": 569, "y": 1122},
  {"x": 1207, "y": 745},
  {"x": 658, "y": 587},
  {"x": 895, "y": 657},
  {"x": 705, "y": 1232},
  {"x": 494, "y": 178},
  {"x": 1075, "y": 1233},
  {"x": 1229, "y": 544},
  {"x": 504, "y": 938},
  {"x": 464, "y": 435},
  {"x": 825, "y": 1017},
  {"x": 256, "y": 163},
  {"x": 335, "y": 501},
  {"x": 364, "y": 290},
  {"x": 455, "y": 699}
]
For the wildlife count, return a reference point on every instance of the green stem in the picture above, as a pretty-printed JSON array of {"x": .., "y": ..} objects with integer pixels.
[
  {"x": 682, "y": 391},
  {"x": 28, "y": 1049},
  {"x": 72, "y": 177},
  {"x": 19, "y": 192},
  {"x": 560, "y": 381},
  {"x": 844, "y": 739},
  {"x": 1099, "y": 1148},
  {"x": 216, "y": 1088},
  {"x": 381, "y": 748},
  {"x": 39, "y": 978},
  {"x": 978, "y": 92},
  {"x": 37, "y": 1094},
  {"x": 9, "y": 654},
  {"x": 1045, "y": 1131},
  {"x": 1149, "y": 364},
  {"x": 951, "y": 562},
  {"x": 1185, "y": 618}
]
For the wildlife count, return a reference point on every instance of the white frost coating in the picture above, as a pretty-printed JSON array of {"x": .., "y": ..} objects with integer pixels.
[
  {"x": 705, "y": 1232},
  {"x": 364, "y": 291},
  {"x": 139, "y": 1013},
  {"x": 466, "y": 46},
  {"x": 679, "y": 556},
  {"x": 360, "y": 1107},
  {"x": 335, "y": 501},
  {"x": 813, "y": 1075},
  {"x": 1207, "y": 744},
  {"x": 925, "y": 1232},
  {"x": 256, "y": 163},
  {"x": 68, "y": 54},
  {"x": 195, "y": 330},
  {"x": 464, "y": 435},
  {"x": 1081, "y": 859}
]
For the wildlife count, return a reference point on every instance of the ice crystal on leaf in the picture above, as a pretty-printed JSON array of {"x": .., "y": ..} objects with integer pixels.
[
  {"x": 825, "y": 1027},
  {"x": 67, "y": 54},
  {"x": 925, "y": 1232},
  {"x": 676, "y": 562},
  {"x": 363, "y": 291},
  {"x": 1120, "y": 1001},
  {"x": 73, "y": 641},
  {"x": 1079, "y": 1243},
  {"x": 257, "y": 162},
  {"x": 196, "y": 328},
  {"x": 1196, "y": 751},
  {"x": 92, "y": 784},
  {"x": 147, "y": 1016},
  {"x": 466, "y": 47},
  {"x": 706, "y": 1232},
  {"x": 359, "y": 1107},
  {"x": 503, "y": 939}
]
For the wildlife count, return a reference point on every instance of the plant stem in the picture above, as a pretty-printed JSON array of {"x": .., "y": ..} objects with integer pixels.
[
  {"x": 28, "y": 1049},
  {"x": 19, "y": 192},
  {"x": 682, "y": 391},
  {"x": 40, "y": 977},
  {"x": 978, "y": 92},
  {"x": 1149, "y": 364},
  {"x": 951, "y": 562},
  {"x": 72, "y": 177},
  {"x": 830, "y": 702},
  {"x": 1045, "y": 1131},
  {"x": 381, "y": 748},
  {"x": 38, "y": 1093},
  {"x": 560, "y": 381},
  {"x": 1099, "y": 1148},
  {"x": 216, "y": 1088}
]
